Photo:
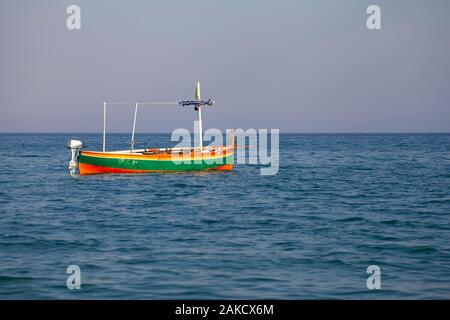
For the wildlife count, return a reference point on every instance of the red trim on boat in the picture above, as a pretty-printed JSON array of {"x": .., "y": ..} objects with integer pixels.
[{"x": 85, "y": 168}]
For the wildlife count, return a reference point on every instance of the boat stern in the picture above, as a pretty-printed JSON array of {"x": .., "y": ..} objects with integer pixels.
[{"x": 74, "y": 146}]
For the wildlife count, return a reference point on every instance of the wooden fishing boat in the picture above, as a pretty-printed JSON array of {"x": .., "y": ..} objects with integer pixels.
[{"x": 145, "y": 160}]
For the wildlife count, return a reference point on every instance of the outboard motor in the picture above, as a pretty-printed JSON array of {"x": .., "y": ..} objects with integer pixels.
[{"x": 74, "y": 146}]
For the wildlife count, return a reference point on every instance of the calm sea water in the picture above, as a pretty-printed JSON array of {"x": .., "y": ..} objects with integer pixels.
[{"x": 338, "y": 204}]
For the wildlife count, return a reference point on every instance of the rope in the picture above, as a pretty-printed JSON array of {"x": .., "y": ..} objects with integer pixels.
[
  {"x": 158, "y": 102},
  {"x": 133, "y": 103}
]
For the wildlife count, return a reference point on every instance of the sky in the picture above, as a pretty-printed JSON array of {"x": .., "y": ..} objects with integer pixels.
[{"x": 298, "y": 66}]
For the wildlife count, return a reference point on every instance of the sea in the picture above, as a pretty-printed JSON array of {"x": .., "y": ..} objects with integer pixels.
[{"x": 347, "y": 216}]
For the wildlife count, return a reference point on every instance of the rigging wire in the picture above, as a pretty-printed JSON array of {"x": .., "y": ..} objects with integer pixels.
[{"x": 133, "y": 103}]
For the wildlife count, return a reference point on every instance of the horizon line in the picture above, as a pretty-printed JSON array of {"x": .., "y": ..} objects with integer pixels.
[{"x": 286, "y": 132}]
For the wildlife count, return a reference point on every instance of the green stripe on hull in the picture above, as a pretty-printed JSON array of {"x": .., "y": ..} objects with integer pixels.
[{"x": 163, "y": 165}]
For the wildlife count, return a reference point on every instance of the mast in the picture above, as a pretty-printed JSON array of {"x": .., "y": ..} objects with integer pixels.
[
  {"x": 104, "y": 126},
  {"x": 134, "y": 127},
  {"x": 199, "y": 111}
]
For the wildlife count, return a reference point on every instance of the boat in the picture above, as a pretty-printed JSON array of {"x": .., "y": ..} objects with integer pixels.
[{"x": 217, "y": 158}]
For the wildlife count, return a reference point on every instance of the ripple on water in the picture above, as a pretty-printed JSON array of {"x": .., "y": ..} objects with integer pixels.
[{"x": 338, "y": 204}]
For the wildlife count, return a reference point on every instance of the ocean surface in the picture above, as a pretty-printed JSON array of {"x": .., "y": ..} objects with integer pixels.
[{"x": 339, "y": 203}]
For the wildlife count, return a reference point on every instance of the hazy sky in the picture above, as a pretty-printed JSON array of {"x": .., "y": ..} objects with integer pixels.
[{"x": 301, "y": 66}]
